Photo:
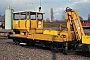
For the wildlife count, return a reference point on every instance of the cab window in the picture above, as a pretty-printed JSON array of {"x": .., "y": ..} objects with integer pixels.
[
  {"x": 32, "y": 15},
  {"x": 40, "y": 16},
  {"x": 16, "y": 16},
  {"x": 23, "y": 16}
]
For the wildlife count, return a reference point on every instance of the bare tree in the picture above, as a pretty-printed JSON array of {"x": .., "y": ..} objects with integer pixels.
[
  {"x": 80, "y": 18},
  {"x": 63, "y": 16},
  {"x": 52, "y": 17}
]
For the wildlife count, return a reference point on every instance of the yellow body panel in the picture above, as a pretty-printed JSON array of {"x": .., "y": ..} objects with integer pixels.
[
  {"x": 21, "y": 24},
  {"x": 33, "y": 24},
  {"x": 44, "y": 37},
  {"x": 39, "y": 31},
  {"x": 48, "y": 36},
  {"x": 51, "y": 32},
  {"x": 86, "y": 39}
]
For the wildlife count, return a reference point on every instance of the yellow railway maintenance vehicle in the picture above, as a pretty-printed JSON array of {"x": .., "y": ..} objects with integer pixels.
[{"x": 28, "y": 27}]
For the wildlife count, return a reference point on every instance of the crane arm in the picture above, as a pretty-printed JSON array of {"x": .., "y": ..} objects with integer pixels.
[{"x": 73, "y": 23}]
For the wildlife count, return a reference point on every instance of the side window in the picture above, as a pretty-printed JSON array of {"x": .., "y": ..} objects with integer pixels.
[
  {"x": 16, "y": 16},
  {"x": 23, "y": 16},
  {"x": 32, "y": 15},
  {"x": 40, "y": 16}
]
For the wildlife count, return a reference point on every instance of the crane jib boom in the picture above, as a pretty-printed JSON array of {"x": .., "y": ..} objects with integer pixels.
[{"x": 73, "y": 23}]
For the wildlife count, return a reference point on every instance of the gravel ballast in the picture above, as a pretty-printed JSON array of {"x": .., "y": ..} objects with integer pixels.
[{"x": 9, "y": 51}]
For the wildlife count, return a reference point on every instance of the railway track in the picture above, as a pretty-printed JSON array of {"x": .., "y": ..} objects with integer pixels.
[{"x": 4, "y": 33}]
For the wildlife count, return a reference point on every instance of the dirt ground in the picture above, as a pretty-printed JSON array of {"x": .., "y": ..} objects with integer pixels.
[{"x": 9, "y": 51}]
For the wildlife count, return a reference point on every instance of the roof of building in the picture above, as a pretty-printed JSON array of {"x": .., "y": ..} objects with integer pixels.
[{"x": 29, "y": 11}]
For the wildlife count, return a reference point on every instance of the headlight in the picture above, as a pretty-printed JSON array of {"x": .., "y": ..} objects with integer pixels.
[{"x": 39, "y": 24}]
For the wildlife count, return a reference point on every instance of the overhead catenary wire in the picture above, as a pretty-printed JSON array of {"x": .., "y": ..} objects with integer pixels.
[{"x": 39, "y": 2}]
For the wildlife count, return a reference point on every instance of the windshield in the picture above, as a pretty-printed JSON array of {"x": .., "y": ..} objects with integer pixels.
[{"x": 27, "y": 15}]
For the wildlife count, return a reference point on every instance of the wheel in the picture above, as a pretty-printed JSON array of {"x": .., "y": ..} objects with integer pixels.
[{"x": 16, "y": 42}]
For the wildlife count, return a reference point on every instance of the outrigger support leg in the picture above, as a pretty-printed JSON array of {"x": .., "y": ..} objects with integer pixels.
[{"x": 66, "y": 48}]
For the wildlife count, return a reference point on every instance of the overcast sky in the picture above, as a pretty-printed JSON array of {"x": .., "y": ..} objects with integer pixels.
[{"x": 82, "y": 6}]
